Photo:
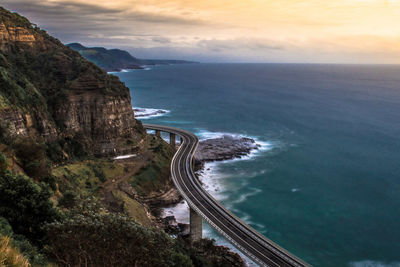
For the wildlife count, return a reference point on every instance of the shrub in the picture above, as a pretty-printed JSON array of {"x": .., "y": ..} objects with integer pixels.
[
  {"x": 33, "y": 157},
  {"x": 92, "y": 237},
  {"x": 5, "y": 136},
  {"x": 25, "y": 205},
  {"x": 11, "y": 256},
  {"x": 24, "y": 246},
  {"x": 3, "y": 163},
  {"x": 68, "y": 200},
  {"x": 98, "y": 172}
]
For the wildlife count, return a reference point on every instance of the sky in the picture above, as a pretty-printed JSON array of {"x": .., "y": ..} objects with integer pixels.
[{"x": 272, "y": 31}]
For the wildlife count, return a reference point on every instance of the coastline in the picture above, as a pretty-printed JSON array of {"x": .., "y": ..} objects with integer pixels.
[{"x": 212, "y": 181}]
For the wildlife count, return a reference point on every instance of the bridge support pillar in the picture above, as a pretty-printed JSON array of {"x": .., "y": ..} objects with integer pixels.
[
  {"x": 172, "y": 140},
  {"x": 158, "y": 133},
  {"x": 196, "y": 226}
]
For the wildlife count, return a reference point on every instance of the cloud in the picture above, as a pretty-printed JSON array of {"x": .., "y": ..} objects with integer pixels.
[
  {"x": 230, "y": 30},
  {"x": 160, "y": 39},
  {"x": 240, "y": 43},
  {"x": 68, "y": 10},
  {"x": 68, "y": 19}
]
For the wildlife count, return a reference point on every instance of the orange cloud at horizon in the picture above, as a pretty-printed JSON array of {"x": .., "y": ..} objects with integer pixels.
[{"x": 351, "y": 31}]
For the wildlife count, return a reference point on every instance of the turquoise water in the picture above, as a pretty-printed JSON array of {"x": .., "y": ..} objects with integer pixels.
[{"x": 326, "y": 186}]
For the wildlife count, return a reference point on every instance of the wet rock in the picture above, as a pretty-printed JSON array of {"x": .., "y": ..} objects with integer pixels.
[
  {"x": 224, "y": 148},
  {"x": 184, "y": 229}
]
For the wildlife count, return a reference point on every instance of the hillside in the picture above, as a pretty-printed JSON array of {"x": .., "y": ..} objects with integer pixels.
[
  {"x": 110, "y": 60},
  {"x": 116, "y": 59},
  {"x": 49, "y": 90},
  {"x": 64, "y": 199}
]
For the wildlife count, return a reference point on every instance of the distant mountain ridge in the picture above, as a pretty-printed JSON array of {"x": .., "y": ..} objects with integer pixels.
[{"x": 117, "y": 59}]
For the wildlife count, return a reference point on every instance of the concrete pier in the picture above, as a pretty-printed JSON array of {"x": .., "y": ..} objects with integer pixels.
[
  {"x": 172, "y": 139},
  {"x": 158, "y": 133},
  {"x": 196, "y": 226}
]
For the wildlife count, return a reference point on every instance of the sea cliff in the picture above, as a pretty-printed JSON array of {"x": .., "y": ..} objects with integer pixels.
[
  {"x": 64, "y": 198},
  {"x": 48, "y": 90}
]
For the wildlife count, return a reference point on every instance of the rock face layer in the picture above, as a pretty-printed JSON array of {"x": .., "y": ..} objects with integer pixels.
[{"x": 49, "y": 91}]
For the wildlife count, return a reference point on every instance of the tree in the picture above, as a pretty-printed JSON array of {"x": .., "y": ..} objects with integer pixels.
[
  {"x": 3, "y": 163},
  {"x": 33, "y": 157},
  {"x": 25, "y": 205},
  {"x": 92, "y": 237}
]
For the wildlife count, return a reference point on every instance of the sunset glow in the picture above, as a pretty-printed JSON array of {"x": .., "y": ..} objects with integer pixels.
[{"x": 349, "y": 31}]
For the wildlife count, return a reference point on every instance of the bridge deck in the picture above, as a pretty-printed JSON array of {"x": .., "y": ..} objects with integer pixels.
[{"x": 259, "y": 248}]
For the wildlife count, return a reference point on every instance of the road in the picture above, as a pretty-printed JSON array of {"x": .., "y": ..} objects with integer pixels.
[{"x": 256, "y": 246}]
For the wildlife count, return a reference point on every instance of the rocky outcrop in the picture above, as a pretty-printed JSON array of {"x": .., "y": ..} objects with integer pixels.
[
  {"x": 10, "y": 35},
  {"x": 49, "y": 91},
  {"x": 224, "y": 148},
  {"x": 106, "y": 120}
]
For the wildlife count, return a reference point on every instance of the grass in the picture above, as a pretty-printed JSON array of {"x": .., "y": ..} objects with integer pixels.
[
  {"x": 3, "y": 102},
  {"x": 133, "y": 208},
  {"x": 11, "y": 256},
  {"x": 153, "y": 177},
  {"x": 87, "y": 176}
]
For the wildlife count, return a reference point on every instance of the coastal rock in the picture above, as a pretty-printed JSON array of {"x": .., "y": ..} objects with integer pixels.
[
  {"x": 172, "y": 196},
  {"x": 224, "y": 148},
  {"x": 10, "y": 35},
  {"x": 219, "y": 255}
]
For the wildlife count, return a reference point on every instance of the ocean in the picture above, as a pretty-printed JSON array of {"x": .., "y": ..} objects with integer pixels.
[{"x": 325, "y": 184}]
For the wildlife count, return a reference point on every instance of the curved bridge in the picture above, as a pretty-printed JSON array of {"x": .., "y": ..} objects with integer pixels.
[{"x": 259, "y": 248}]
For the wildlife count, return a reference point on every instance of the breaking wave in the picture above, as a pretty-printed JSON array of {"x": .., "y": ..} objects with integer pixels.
[{"x": 147, "y": 113}]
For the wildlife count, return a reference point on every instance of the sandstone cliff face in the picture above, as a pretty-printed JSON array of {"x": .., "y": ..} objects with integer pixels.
[
  {"x": 48, "y": 90},
  {"x": 106, "y": 120},
  {"x": 10, "y": 35}
]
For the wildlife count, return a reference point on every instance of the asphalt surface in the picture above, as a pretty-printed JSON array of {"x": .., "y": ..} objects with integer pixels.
[{"x": 256, "y": 246}]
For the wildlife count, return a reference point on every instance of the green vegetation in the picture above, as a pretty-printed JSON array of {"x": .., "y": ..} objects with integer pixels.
[
  {"x": 54, "y": 194},
  {"x": 18, "y": 244},
  {"x": 133, "y": 208},
  {"x": 153, "y": 177},
  {"x": 110, "y": 60},
  {"x": 36, "y": 78},
  {"x": 25, "y": 205},
  {"x": 116, "y": 59},
  {"x": 33, "y": 157},
  {"x": 64, "y": 149},
  {"x": 86, "y": 177},
  {"x": 14, "y": 19},
  {"x": 11, "y": 256},
  {"x": 95, "y": 237}
]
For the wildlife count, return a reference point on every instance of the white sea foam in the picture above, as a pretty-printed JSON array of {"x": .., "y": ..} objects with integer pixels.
[
  {"x": 127, "y": 70},
  {"x": 125, "y": 156},
  {"x": 295, "y": 190},
  {"x": 121, "y": 71},
  {"x": 245, "y": 196},
  {"x": 179, "y": 211},
  {"x": 213, "y": 178},
  {"x": 370, "y": 263},
  {"x": 147, "y": 113}
]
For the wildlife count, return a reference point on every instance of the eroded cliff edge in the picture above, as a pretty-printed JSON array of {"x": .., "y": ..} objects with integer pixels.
[
  {"x": 49, "y": 91},
  {"x": 60, "y": 204}
]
